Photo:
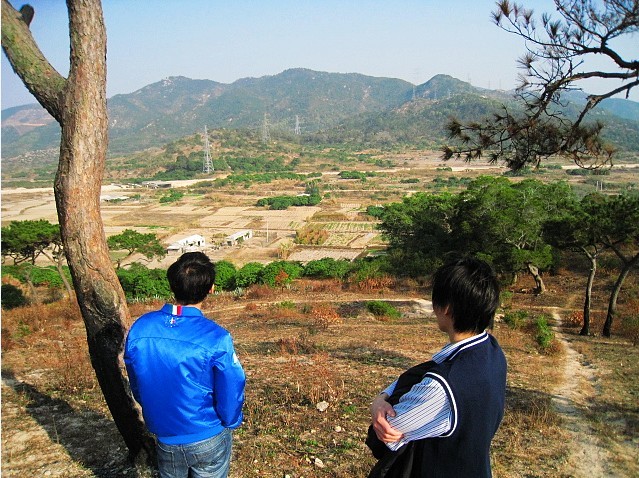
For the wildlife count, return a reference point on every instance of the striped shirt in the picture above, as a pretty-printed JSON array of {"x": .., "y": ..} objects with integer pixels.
[{"x": 426, "y": 410}]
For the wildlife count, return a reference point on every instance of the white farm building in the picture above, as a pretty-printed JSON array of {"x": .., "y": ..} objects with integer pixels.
[
  {"x": 238, "y": 236},
  {"x": 188, "y": 244}
]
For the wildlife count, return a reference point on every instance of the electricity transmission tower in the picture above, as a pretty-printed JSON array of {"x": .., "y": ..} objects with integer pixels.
[
  {"x": 298, "y": 129},
  {"x": 266, "y": 136},
  {"x": 208, "y": 162}
]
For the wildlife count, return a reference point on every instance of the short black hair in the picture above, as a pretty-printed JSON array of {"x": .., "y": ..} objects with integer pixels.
[
  {"x": 469, "y": 287},
  {"x": 191, "y": 278}
]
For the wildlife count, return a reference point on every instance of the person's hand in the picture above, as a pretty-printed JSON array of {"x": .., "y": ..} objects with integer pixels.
[{"x": 380, "y": 409}]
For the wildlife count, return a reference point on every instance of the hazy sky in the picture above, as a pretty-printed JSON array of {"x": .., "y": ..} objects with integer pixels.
[{"x": 149, "y": 40}]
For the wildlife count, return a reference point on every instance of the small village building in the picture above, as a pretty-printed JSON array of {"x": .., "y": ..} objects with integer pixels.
[
  {"x": 239, "y": 236},
  {"x": 156, "y": 184},
  {"x": 109, "y": 198},
  {"x": 188, "y": 244}
]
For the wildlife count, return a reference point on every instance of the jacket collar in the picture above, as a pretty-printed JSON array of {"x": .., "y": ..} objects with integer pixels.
[
  {"x": 181, "y": 310},
  {"x": 451, "y": 350}
]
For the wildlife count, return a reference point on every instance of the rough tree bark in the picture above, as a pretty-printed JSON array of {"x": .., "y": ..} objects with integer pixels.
[
  {"x": 628, "y": 264},
  {"x": 540, "y": 287},
  {"x": 78, "y": 103},
  {"x": 585, "y": 330}
]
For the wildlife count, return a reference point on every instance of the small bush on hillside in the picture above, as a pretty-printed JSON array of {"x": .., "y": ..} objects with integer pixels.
[
  {"x": 248, "y": 274},
  {"x": 273, "y": 273},
  {"x": 327, "y": 268},
  {"x": 516, "y": 319},
  {"x": 382, "y": 309},
  {"x": 39, "y": 276},
  {"x": 324, "y": 315},
  {"x": 172, "y": 196},
  {"x": 545, "y": 335},
  {"x": 12, "y": 297},
  {"x": 225, "y": 275},
  {"x": 139, "y": 282}
]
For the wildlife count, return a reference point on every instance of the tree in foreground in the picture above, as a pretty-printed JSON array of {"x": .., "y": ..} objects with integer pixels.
[
  {"x": 78, "y": 104},
  {"x": 580, "y": 228},
  {"x": 502, "y": 222},
  {"x": 560, "y": 58}
]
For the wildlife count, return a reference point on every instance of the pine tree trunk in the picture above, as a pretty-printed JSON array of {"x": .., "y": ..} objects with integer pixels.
[
  {"x": 79, "y": 105},
  {"x": 540, "y": 287},
  {"x": 585, "y": 330},
  {"x": 612, "y": 303}
]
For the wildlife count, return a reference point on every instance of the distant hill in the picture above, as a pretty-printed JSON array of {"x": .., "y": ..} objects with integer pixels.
[{"x": 328, "y": 106}]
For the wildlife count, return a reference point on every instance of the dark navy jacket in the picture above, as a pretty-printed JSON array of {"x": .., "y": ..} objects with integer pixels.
[{"x": 475, "y": 380}]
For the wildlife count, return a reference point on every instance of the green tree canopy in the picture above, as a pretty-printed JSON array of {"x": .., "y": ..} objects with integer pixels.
[
  {"x": 418, "y": 232},
  {"x": 26, "y": 240},
  {"x": 135, "y": 242}
]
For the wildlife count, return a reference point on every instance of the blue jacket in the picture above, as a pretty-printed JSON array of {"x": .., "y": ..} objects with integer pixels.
[{"x": 184, "y": 373}]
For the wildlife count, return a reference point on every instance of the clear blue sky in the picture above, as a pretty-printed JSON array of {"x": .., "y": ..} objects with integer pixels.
[{"x": 149, "y": 40}]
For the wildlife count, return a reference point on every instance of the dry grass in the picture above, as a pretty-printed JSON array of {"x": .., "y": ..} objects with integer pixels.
[{"x": 298, "y": 352}]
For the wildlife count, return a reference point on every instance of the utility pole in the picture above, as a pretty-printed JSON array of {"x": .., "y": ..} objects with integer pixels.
[{"x": 208, "y": 162}]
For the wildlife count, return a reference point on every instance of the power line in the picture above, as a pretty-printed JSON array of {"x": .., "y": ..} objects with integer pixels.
[
  {"x": 266, "y": 135},
  {"x": 208, "y": 162},
  {"x": 298, "y": 129}
]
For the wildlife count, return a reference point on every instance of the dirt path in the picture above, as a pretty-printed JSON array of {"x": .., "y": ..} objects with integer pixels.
[{"x": 588, "y": 458}]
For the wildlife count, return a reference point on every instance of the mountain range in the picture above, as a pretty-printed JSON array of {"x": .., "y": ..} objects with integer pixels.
[{"x": 326, "y": 107}]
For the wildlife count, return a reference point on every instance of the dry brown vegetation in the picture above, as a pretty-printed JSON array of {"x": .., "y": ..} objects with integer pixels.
[{"x": 311, "y": 344}]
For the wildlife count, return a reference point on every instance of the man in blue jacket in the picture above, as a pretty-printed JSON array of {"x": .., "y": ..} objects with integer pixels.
[{"x": 185, "y": 374}]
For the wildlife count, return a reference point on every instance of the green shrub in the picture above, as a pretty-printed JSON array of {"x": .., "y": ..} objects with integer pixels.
[
  {"x": 12, "y": 297},
  {"x": 225, "y": 273},
  {"x": 382, "y": 309},
  {"x": 545, "y": 335},
  {"x": 375, "y": 211},
  {"x": 327, "y": 268},
  {"x": 516, "y": 319},
  {"x": 139, "y": 282},
  {"x": 280, "y": 273},
  {"x": 505, "y": 298},
  {"x": 172, "y": 196},
  {"x": 248, "y": 274},
  {"x": 39, "y": 276}
]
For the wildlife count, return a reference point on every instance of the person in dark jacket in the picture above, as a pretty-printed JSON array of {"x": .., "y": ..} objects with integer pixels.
[
  {"x": 439, "y": 418},
  {"x": 185, "y": 374}
]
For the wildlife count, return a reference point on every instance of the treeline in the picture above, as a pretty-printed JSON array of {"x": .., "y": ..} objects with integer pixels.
[
  {"x": 140, "y": 283},
  {"x": 518, "y": 227},
  {"x": 284, "y": 202}
]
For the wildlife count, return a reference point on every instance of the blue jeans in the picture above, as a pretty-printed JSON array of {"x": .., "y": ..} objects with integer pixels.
[{"x": 208, "y": 458}]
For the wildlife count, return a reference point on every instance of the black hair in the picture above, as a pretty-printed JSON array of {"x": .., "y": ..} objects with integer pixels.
[
  {"x": 191, "y": 278},
  {"x": 469, "y": 287}
]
